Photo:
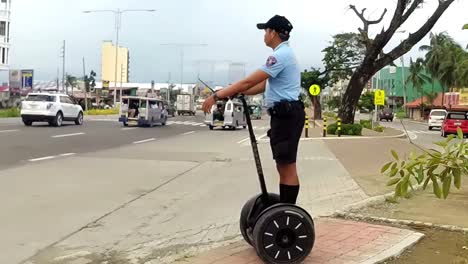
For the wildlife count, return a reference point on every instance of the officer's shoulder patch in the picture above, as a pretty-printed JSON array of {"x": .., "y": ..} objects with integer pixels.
[{"x": 271, "y": 61}]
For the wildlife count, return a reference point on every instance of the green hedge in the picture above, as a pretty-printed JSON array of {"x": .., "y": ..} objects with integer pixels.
[
  {"x": 111, "y": 111},
  {"x": 366, "y": 124},
  {"x": 346, "y": 129},
  {"x": 379, "y": 129},
  {"x": 401, "y": 114},
  {"x": 330, "y": 114},
  {"x": 10, "y": 112}
]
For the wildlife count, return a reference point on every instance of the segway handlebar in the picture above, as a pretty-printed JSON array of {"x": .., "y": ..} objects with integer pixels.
[{"x": 253, "y": 141}]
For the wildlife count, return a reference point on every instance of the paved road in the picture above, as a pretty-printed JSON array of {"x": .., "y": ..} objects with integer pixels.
[
  {"x": 419, "y": 133},
  {"x": 20, "y": 144}
]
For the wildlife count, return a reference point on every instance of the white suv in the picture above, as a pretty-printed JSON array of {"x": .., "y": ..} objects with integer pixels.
[{"x": 50, "y": 107}]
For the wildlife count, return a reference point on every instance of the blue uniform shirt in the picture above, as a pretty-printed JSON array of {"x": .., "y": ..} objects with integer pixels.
[{"x": 285, "y": 76}]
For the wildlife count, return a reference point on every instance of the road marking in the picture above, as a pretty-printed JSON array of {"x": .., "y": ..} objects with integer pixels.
[
  {"x": 67, "y": 154},
  {"x": 52, "y": 157},
  {"x": 196, "y": 124},
  {"x": 188, "y": 133},
  {"x": 43, "y": 158},
  {"x": 144, "y": 141},
  {"x": 128, "y": 128},
  {"x": 68, "y": 135},
  {"x": 242, "y": 141},
  {"x": 203, "y": 125},
  {"x": 9, "y": 131}
]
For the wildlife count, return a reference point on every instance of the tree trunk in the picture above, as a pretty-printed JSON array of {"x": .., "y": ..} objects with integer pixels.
[
  {"x": 353, "y": 92},
  {"x": 318, "y": 112}
]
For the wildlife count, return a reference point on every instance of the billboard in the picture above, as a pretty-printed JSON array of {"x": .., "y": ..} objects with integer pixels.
[
  {"x": 27, "y": 79},
  {"x": 15, "y": 81}
]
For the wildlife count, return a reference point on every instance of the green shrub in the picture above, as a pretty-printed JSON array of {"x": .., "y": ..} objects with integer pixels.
[
  {"x": 346, "y": 129},
  {"x": 366, "y": 124},
  {"x": 10, "y": 112},
  {"x": 379, "y": 129},
  {"x": 330, "y": 114},
  {"x": 401, "y": 114},
  {"x": 102, "y": 112},
  {"x": 331, "y": 129}
]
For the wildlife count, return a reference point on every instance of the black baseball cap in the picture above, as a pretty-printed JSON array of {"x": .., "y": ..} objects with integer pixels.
[{"x": 279, "y": 23}]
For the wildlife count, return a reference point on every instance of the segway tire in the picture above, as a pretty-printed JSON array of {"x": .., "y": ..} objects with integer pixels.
[
  {"x": 246, "y": 226},
  {"x": 284, "y": 234}
]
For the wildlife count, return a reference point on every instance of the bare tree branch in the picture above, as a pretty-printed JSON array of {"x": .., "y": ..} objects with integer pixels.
[
  {"x": 380, "y": 19},
  {"x": 414, "y": 38},
  {"x": 365, "y": 30}
]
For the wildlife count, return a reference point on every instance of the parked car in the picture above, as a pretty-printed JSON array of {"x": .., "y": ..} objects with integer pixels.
[
  {"x": 386, "y": 114},
  {"x": 436, "y": 118},
  {"x": 53, "y": 108},
  {"x": 454, "y": 120}
]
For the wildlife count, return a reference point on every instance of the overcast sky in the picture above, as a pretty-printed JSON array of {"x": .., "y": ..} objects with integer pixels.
[{"x": 228, "y": 27}]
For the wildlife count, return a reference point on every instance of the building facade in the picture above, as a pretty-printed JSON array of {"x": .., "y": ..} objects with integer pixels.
[
  {"x": 391, "y": 79},
  {"x": 5, "y": 7},
  {"x": 108, "y": 63}
]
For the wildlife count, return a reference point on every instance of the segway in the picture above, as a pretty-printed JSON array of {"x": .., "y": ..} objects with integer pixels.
[{"x": 280, "y": 233}]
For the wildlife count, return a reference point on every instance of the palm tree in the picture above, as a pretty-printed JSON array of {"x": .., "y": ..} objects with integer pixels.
[
  {"x": 431, "y": 97},
  {"x": 441, "y": 57},
  {"x": 417, "y": 77},
  {"x": 70, "y": 81}
]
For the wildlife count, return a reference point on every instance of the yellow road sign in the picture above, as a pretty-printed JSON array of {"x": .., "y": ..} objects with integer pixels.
[
  {"x": 105, "y": 84},
  {"x": 379, "y": 97},
  {"x": 314, "y": 89}
]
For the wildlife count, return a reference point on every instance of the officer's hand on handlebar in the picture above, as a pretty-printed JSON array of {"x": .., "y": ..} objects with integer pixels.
[{"x": 209, "y": 102}]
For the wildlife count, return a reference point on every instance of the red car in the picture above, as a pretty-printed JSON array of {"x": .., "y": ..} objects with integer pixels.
[{"x": 452, "y": 121}]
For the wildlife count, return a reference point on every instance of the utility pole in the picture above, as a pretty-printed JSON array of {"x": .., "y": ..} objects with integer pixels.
[
  {"x": 63, "y": 68},
  {"x": 121, "y": 77},
  {"x": 85, "y": 90},
  {"x": 118, "y": 16},
  {"x": 181, "y": 46}
]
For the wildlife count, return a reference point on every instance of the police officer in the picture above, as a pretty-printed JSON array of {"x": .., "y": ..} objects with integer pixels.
[{"x": 280, "y": 79}]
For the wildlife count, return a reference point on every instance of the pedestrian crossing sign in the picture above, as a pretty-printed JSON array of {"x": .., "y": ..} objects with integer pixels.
[
  {"x": 379, "y": 97},
  {"x": 314, "y": 89}
]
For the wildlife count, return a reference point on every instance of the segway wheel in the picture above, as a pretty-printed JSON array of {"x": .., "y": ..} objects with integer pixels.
[
  {"x": 255, "y": 206},
  {"x": 284, "y": 234}
]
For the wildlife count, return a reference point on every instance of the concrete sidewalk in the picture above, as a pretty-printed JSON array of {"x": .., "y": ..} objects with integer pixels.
[{"x": 337, "y": 241}]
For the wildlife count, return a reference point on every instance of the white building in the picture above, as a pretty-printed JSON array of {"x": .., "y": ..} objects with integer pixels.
[{"x": 5, "y": 6}]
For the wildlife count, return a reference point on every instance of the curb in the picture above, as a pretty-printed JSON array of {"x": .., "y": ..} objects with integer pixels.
[
  {"x": 410, "y": 223},
  {"x": 402, "y": 135},
  {"x": 396, "y": 250}
]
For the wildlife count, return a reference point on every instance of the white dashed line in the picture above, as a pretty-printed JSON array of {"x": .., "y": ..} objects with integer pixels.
[
  {"x": 52, "y": 157},
  {"x": 67, "y": 154},
  {"x": 43, "y": 158},
  {"x": 9, "y": 131},
  {"x": 188, "y": 133},
  {"x": 129, "y": 128},
  {"x": 144, "y": 141},
  {"x": 68, "y": 135},
  {"x": 242, "y": 141}
]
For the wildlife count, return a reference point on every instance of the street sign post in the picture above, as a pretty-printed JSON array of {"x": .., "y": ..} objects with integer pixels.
[
  {"x": 379, "y": 99},
  {"x": 314, "y": 90}
]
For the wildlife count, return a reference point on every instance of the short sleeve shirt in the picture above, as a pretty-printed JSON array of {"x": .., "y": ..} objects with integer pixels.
[{"x": 284, "y": 82}]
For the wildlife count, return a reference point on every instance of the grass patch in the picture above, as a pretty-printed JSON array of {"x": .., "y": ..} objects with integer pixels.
[
  {"x": 10, "y": 112},
  {"x": 102, "y": 112}
]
